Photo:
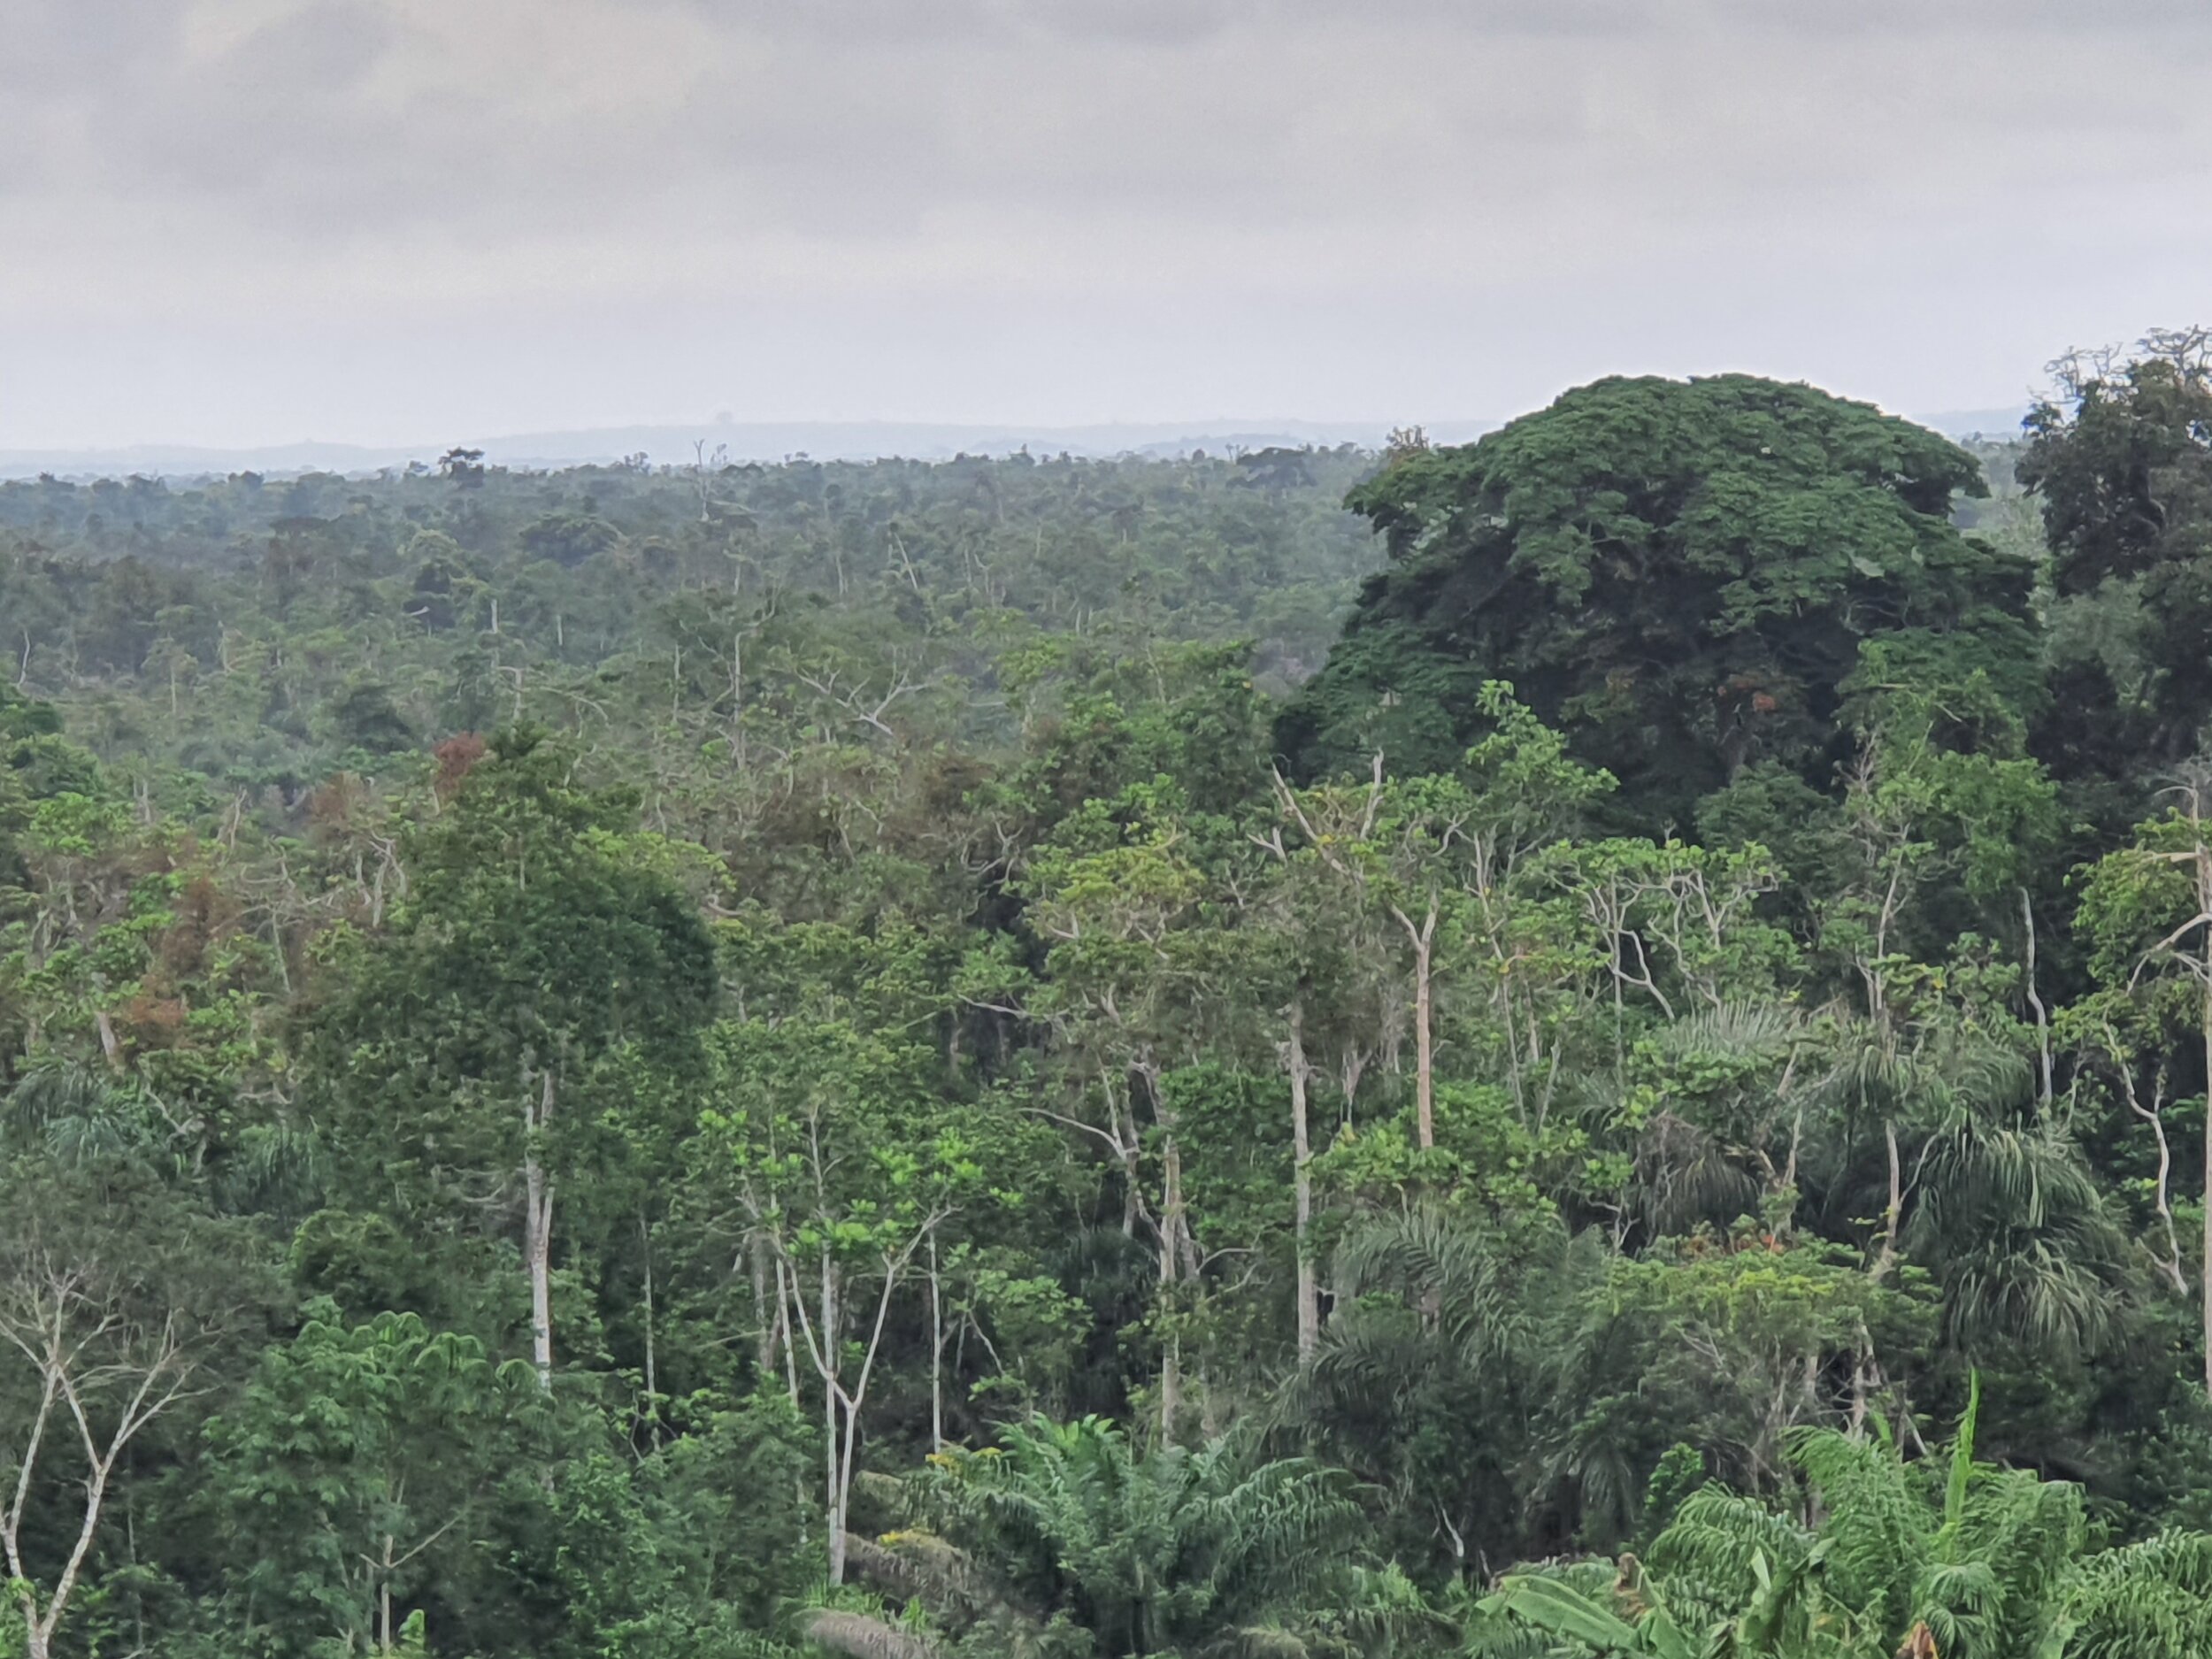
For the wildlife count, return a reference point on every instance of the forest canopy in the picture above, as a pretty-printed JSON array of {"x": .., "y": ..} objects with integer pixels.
[
  {"x": 1592, "y": 1043},
  {"x": 1688, "y": 579}
]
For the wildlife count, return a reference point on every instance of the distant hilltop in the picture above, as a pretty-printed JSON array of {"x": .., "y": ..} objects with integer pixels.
[
  {"x": 1977, "y": 423},
  {"x": 780, "y": 441}
]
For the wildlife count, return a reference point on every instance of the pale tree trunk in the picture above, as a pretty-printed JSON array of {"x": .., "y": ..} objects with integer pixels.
[
  {"x": 1171, "y": 1390},
  {"x": 1178, "y": 1254},
  {"x": 1424, "y": 940},
  {"x": 2199, "y": 963},
  {"x": 2205, "y": 881},
  {"x": 538, "y": 1234},
  {"x": 652, "y": 1368},
  {"x": 1171, "y": 1374},
  {"x": 1894, "y": 1211},
  {"x": 384, "y": 1600},
  {"x": 841, "y": 1402},
  {"x": 2202, "y": 966},
  {"x": 1301, "y": 1179},
  {"x": 832, "y": 1492},
  {"x": 50, "y": 1332},
  {"x": 936, "y": 1355},
  {"x": 764, "y": 1344},
  {"x": 2161, "y": 1197},
  {"x": 2047, "y": 1074},
  {"x": 109, "y": 1046}
]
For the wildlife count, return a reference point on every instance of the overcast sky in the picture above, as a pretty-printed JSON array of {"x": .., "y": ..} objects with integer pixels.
[{"x": 243, "y": 221}]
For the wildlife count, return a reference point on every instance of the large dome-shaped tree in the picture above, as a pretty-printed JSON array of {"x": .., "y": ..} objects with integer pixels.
[{"x": 1684, "y": 576}]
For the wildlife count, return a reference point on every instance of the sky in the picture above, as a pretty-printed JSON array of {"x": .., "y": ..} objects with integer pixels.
[{"x": 237, "y": 222}]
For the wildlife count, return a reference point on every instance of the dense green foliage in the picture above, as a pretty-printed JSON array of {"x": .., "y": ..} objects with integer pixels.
[
  {"x": 646, "y": 1064},
  {"x": 1688, "y": 579}
]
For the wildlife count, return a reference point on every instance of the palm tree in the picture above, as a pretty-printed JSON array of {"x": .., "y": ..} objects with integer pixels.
[
  {"x": 1440, "y": 1369},
  {"x": 1994, "y": 1565},
  {"x": 2009, "y": 1217},
  {"x": 1068, "y": 1539},
  {"x": 76, "y": 1115},
  {"x": 1970, "y": 1170}
]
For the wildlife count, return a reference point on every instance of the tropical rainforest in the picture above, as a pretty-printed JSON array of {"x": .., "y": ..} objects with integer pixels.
[{"x": 1592, "y": 1043}]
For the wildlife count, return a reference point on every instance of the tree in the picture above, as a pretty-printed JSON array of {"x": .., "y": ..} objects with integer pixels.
[
  {"x": 1445, "y": 859},
  {"x": 2148, "y": 908},
  {"x": 354, "y": 1454},
  {"x": 1140, "y": 967},
  {"x": 1442, "y": 1368},
  {"x": 1175, "y": 1551},
  {"x": 108, "y": 1312},
  {"x": 845, "y": 1174},
  {"x": 1680, "y": 576},
  {"x": 538, "y": 961},
  {"x": 2121, "y": 460},
  {"x": 1993, "y": 1564}
]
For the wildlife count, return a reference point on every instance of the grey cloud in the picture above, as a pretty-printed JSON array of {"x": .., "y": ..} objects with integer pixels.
[
  {"x": 1174, "y": 22},
  {"x": 856, "y": 110},
  {"x": 52, "y": 43},
  {"x": 283, "y": 163},
  {"x": 285, "y": 102}
]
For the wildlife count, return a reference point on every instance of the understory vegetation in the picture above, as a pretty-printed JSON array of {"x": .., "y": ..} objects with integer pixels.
[{"x": 1591, "y": 1043}]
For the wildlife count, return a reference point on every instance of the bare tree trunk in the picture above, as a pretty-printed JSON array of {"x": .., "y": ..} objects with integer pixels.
[
  {"x": 765, "y": 1351},
  {"x": 840, "y": 1404},
  {"x": 1424, "y": 1051},
  {"x": 52, "y": 1324},
  {"x": 384, "y": 1600},
  {"x": 109, "y": 1046},
  {"x": 1171, "y": 1225},
  {"x": 1862, "y": 1379},
  {"x": 1171, "y": 1358},
  {"x": 539, "y": 1200},
  {"x": 2205, "y": 881},
  {"x": 783, "y": 1334},
  {"x": 1302, "y": 1177},
  {"x": 936, "y": 1356},
  {"x": 652, "y": 1373},
  {"x": 1896, "y": 1209},
  {"x": 538, "y": 1237},
  {"x": 2035, "y": 1002},
  {"x": 1424, "y": 938},
  {"x": 1171, "y": 1390},
  {"x": 833, "y": 1509},
  {"x": 2161, "y": 1199}
]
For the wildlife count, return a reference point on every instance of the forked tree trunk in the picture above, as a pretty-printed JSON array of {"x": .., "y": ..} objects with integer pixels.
[{"x": 1424, "y": 940}]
